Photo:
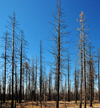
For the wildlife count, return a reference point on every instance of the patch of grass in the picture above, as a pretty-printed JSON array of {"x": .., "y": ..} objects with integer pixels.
[{"x": 8, "y": 101}]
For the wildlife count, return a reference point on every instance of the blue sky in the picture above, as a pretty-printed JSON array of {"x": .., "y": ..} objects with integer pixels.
[{"x": 34, "y": 17}]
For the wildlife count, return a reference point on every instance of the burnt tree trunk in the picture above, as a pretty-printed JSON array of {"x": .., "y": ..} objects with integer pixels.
[
  {"x": 58, "y": 55},
  {"x": 12, "y": 103},
  {"x": 20, "y": 94}
]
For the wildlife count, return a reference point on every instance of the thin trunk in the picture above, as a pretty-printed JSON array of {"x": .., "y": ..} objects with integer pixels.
[
  {"x": 50, "y": 86},
  {"x": 58, "y": 57},
  {"x": 32, "y": 80},
  {"x": 13, "y": 57},
  {"x": 20, "y": 94},
  {"x": 16, "y": 83},
  {"x": 81, "y": 77},
  {"x": 36, "y": 82},
  {"x": 15, "y": 86},
  {"x": 0, "y": 94},
  {"x": 90, "y": 74},
  {"x": 68, "y": 80},
  {"x": 92, "y": 86},
  {"x": 40, "y": 71},
  {"x": 5, "y": 68},
  {"x": 29, "y": 83},
  {"x": 9, "y": 88},
  {"x": 26, "y": 83},
  {"x": 81, "y": 71},
  {"x": 84, "y": 66},
  {"x": 23, "y": 82}
]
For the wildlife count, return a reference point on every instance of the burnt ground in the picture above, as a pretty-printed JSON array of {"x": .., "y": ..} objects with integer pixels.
[{"x": 49, "y": 104}]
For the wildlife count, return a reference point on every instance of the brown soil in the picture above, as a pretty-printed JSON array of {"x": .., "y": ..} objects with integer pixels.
[{"x": 49, "y": 104}]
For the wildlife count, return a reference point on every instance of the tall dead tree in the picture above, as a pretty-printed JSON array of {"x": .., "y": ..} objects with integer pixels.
[
  {"x": 81, "y": 59},
  {"x": 84, "y": 65},
  {"x": 81, "y": 72},
  {"x": 82, "y": 34},
  {"x": 58, "y": 55},
  {"x": 13, "y": 57},
  {"x": 12, "y": 25},
  {"x": 84, "y": 56},
  {"x": 22, "y": 53},
  {"x": 58, "y": 51}
]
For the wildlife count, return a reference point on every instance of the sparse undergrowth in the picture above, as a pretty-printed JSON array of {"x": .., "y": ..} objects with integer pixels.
[{"x": 49, "y": 104}]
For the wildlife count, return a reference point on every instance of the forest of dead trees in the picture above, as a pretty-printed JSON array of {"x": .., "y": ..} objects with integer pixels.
[{"x": 25, "y": 79}]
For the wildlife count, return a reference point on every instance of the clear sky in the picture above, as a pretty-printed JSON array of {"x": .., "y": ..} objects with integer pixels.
[{"x": 34, "y": 17}]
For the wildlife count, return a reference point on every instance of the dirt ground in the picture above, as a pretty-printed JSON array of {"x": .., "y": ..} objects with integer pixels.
[{"x": 50, "y": 104}]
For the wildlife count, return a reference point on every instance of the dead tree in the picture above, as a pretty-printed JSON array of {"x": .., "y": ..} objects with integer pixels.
[
  {"x": 84, "y": 56},
  {"x": 13, "y": 57},
  {"x": 58, "y": 50},
  {"x": 84, "y": 66},
  {"x": 22, "y": 54},
  {"x": 81, "y": 59},
  {"x": 58, "y": 55},
  {"x": 82, "y": 29},
  {"x": 13, "y": 23},
  {"x": 81, "y": 72}
]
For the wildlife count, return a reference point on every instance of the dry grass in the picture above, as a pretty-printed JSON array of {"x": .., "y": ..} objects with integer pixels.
[{"x": 49, "y": 104}]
